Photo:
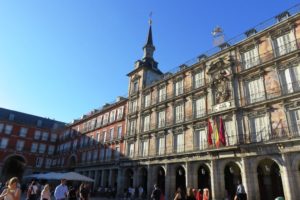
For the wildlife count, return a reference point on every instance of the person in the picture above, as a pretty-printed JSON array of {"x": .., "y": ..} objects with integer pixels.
[
  {"x": 190, "y": 194},
  {"x": 155, "y": 195},
  {"x": 32, "y": 191},
  {"x": 240, "y": 192},
  {"x": 205, "y": 194},
  {"x": 12, "y": 192},
  {"x": 61, "y": 190},
  {"x": 179, "y": 195},
  {"x": 141, "y": 192},
  {"x": 72, "y": 194},
  {"x": 199, "y": 195},
  {"x": 83, "y": 192},
  {"x": 45, "y": 194}
]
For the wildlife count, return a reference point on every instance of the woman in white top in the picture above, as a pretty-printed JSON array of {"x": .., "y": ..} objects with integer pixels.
[
  {"x": 46, "y": 195},
  {"x": 12, "y": 192}
]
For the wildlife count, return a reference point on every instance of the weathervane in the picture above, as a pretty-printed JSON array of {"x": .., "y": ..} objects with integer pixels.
[
  {"x": 150, "y": 18},
  {"x": 218, "y": 35}
]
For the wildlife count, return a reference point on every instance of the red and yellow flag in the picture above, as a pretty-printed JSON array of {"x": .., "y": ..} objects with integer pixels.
[
  {"x": 216, "y": 134},
  {"x": 209, "y": 133}
]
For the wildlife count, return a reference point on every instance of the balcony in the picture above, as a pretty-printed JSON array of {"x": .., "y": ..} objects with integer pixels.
[{"x": 277, "y": 52}]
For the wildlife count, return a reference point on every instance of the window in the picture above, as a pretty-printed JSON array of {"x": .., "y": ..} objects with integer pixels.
[
  {"x": 75, "y": 144},
  {"x": 102, "y": 152},
  {"x": 295, "y": 121},
  {"x": 162, "y": 94},
  {"x": 146, "y": 124},
  {"x": 83, "y": 156},
  {"x": 104, "y": 136},
  {"x": 133, "y": 106},
  {"x": 48, "y": 163},
  {"x": 11, "y": 117},
  {"x": 98, "y": 137},
  {"x": 39, "y": 123},
  {"x": 200, "y": 139},
  {"x": 112, "y": 117},
  {"x": 20, "y": 145},
  {"x": 1, "y": 127},
  {"x": 23, "y": 132},
  {"x": 45, "y": 136},
  {"x": 51, "y": 149},
  {"x": 89, "y": 156},
  {"x": 147, "y": 100},
  {"x": 119, "y": 132},
  {"x": 53, "y": 137},
  {"x": 130, "y": 152},
  {"x": 200, "y": 107},
  {"x": 250, "y": 58},
  {"x": 259, "y": 129},
  {"x": 199, "y": 79},
  {"x": 105, "y": 118},
  {"x": 81, "y": 142},
  {"x": 42, "y": 148},
  {"x": 95, "y": 154},
  {"x": 99, "y": 121},
  {"x": 39, "y": 161},
  {"x": 120, "y": 112},
  {"x": 135, "y": 86},
  {"x": 3, "y": 143},
  {"x": 108, "y": 154},
  {"x": 230, "y": 133},
  {"x": 34, "y": 147},
  {"x": 290, "y": 79},
  {"x": 179, "y": 143},
  {"x": 37, "y": 135},
  {"x": 132, "y": 125},
  {"x": 8, "y": 129},
  {"x": 178, "y": 87},
  {"x": 255, "y": 90},
  {"x": 144, "y": 148},
  {"x": 161, "y": 119},
  {"x": 160, "y": 146},
  {"x": 111, "y": 134},
  {"x": 179, "y": 113},
  {"x": 117, "y": 153},
  {"x": 86, "y": 140},
  {"x": 285, "y": 44}
]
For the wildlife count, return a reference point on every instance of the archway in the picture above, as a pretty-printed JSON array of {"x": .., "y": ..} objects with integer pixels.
[
  {"x": 180, "y": 178},
  {"x": 203, "y": 177},
  {"x": 13, "y": 166},
  {"x": 232, "y": 174},
  {"x": 161, "y": 179},
  {"x": 269, "y": 180},
  {"x": 128, "y": 178},
  {"x": 143, "y": 179}
]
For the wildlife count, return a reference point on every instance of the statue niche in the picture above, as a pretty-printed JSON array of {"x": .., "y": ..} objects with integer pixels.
[{"x": 221, "y": 85}]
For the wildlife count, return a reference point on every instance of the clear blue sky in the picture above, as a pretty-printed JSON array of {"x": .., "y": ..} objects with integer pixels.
[{"x": 62, "y": 58}]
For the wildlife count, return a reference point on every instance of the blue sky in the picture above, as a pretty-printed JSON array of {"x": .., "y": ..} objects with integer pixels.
[{"x": 62, "y": 58}]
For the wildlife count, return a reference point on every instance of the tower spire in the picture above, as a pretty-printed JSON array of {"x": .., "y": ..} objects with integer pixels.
[{"x": 149, "y": 47}]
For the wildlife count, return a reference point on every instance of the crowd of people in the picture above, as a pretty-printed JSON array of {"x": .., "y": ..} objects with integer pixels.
[{"x": 12, "y": 190}]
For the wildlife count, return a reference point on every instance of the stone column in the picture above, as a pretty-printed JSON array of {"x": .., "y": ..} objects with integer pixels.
[
  {"x": 120, "y": 186},
  {"x": 102, "y": 178},
  {"x": 170, "y": 180},
  {"x": 110, "y": 177},
  {"x": 189, "y": 175},
  {"x": 151, "y": 176},
  {"x": 135, "y": 177},
  {"x": 249, "y": 179},
  {"x": 287, "y": 178},
  {"x": 215, "y": 181}
]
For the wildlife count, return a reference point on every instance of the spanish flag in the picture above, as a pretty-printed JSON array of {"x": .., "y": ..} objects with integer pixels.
[
  {"x": 216, "y": 134},
  {"x": 222, "y": 132}
]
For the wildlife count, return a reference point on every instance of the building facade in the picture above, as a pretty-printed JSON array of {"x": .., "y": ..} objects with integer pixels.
[
  {"x": 94, "y": 144},
  {"x": 27, "y": 143},
  {"x": 231, "y": 116}
]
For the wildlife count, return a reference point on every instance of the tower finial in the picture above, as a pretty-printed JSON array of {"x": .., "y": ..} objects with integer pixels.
[{"x": 150, "y": 18}]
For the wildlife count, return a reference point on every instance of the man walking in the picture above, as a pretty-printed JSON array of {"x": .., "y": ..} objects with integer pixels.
[
  {"x": 61, "y": 191},
  {"x": 155, "y": 193}
]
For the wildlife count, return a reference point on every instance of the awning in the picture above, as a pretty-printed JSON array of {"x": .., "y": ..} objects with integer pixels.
[{"x": 72, "y": 176}]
